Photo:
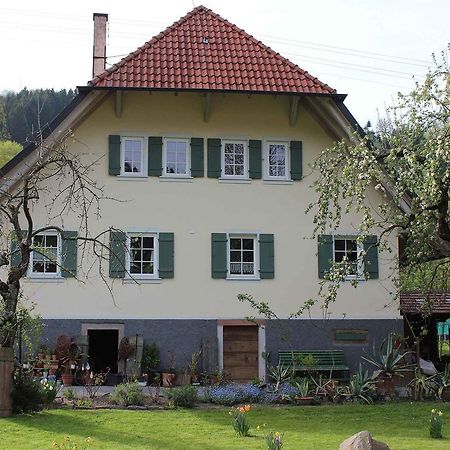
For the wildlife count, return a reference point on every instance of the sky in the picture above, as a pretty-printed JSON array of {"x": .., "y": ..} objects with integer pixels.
[{"x": 368, "y": 49}]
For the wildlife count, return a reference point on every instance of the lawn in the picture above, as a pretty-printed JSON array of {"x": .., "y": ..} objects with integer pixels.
[{"x": 403, "y": 426}]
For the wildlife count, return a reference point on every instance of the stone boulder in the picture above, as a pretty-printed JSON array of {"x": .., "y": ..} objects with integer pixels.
[{"x": 362, "y": 441}]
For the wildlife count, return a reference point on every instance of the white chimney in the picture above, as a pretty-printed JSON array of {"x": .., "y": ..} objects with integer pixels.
[{"x": 99, "y": 54}]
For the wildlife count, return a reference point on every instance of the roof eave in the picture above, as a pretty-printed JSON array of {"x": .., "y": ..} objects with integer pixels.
[{"x": 334, "y": 95}]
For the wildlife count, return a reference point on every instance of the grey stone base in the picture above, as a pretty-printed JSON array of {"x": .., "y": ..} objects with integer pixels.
[{"x": 185, "y": 336}]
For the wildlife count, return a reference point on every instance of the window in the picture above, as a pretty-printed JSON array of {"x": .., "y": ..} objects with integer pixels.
[
  {"x": 235, "y": 159},
  {"x": 132, "y": 156},
  {"x": 45, "y": 259},
  {"x": 176, "y": 157},
  {"x": 347, "y": 251},
  {"x": 277, "y": 160},
  {"x": 242, "y": 257},
  {"x": 142, "y": 255}
]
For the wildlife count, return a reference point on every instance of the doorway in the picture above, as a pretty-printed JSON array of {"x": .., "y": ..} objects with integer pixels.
[
  {"x": 240, "y": 352},
  {"x": 103, "y": 349}
]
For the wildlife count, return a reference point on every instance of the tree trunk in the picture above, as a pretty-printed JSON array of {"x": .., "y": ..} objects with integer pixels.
[{"x": 6, "y": 380}]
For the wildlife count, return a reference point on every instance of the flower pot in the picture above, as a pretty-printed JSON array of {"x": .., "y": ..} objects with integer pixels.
[
  {"x": 445, "y": 397},
  {"x": 182, "y": 379},
  {"x": 67, "y": 379},
  {"x": 168, "y": 379},
  {"x": 302, "y": 401}
]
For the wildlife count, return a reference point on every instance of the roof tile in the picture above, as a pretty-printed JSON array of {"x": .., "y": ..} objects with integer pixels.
[{"x": 204, "y": 51}]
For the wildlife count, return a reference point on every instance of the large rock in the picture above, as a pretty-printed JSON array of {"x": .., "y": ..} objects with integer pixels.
[{"x": 362, "y": 441}]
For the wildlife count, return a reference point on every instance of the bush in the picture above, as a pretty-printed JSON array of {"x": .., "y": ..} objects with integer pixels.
[
  {"x": 26, "y": 393},
  {"x": 126, "y": 394},
  {"x": 184, "y": 396}
]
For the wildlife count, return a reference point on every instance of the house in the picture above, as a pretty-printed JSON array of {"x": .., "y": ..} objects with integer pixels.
[{"x": 207, "y": 136}]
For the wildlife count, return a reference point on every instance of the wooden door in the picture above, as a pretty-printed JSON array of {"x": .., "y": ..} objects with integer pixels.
[{"x": 240, "y": 352}]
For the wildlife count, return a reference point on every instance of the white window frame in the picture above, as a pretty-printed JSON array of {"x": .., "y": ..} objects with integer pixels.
[
  {"x": 57, "y": 274},
  {"x": 245, "y": 176},
  {"x": 287, "y": 175},
  {"x": 188, "y": 158},
  {"x": 145, "y": 276},
  {"x": 359, "y": 250},
  {"x": 143, "y": 172},
  {"x": 255, "y": 237}
]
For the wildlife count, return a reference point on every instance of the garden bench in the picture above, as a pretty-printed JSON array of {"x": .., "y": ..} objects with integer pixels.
[{"x": 328, "y": 362}]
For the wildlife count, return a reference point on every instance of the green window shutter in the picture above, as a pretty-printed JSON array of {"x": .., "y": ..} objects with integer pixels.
[
  {"x": 371, "y": 258},
  {"x": 117, "y": 249},
  {"x": 154, "y": 156},
  {"x": 114, "y": 154},
  {"x": 214, "y": 158},
  {"x": 166, "y": 255},
  {"x": 69, "y": 248},
  {"x": 255, "y": 161},
  {"x": 266, "y": 256},
  {"x": 219, "y": 255},
  {"x": 325, "y": 252},
  {"x": 296, "y": 160},
  {"x": 197, "y": 157}
]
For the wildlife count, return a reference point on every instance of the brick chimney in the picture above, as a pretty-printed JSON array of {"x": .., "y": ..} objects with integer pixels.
[{"x": 99, "y": 51}]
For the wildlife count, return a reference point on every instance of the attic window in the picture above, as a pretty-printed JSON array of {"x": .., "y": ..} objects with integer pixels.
[{"x": 205, "y": 40}]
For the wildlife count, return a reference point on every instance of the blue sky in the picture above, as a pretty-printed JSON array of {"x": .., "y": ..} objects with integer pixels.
[{"x": 369, "y": 50}]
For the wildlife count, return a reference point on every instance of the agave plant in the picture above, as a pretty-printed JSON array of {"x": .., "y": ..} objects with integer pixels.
[
  {"x": 389, "y": 361},
  {"x": 303, "y": 387},
  {"x": 279, "y": 374},
  {"x": 424, "y": 386},
  {"x": 443, "y": 380},
  {"x": 360, "y": 387}
]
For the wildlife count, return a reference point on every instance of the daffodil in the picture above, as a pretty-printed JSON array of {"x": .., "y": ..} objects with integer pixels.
[{"x": 440, "y": 413}]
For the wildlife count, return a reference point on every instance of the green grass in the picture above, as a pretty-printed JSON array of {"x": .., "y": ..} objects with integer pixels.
[{"x": 403, "y": 426}]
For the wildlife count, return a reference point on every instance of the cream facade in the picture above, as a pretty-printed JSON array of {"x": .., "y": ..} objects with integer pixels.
[{"x": 179, "y": 313}]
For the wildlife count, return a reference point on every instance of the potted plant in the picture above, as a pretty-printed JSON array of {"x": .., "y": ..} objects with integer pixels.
[
  {"x": 168, "y": 375},
  {"x": 150, "y": 362},
  {"x": 193, "y": 366},
  {"x": 390, "y": 365},
  {"x": 68, "y": 354},
  {"x": 304, "y": 396},
  {"x": 443, "y": 380}
]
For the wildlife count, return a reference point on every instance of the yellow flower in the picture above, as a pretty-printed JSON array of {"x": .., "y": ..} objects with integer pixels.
[
  {"x": 88, "y": 439},
  {"x": 440, "y": 413},
  {"x": 258, "y": 427},
  {"x": 277, "y": 434},
  {"x": 54, "y": 444},
  {"x": 433, "y": 411}
]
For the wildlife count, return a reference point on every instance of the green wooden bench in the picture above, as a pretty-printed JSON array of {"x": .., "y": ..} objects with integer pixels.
[{"x": 331, "y": 363}]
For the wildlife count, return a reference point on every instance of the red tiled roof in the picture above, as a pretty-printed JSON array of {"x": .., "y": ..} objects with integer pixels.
[
  {"x": 204, "y": 51},
  {"x": 416, "y": 302}
]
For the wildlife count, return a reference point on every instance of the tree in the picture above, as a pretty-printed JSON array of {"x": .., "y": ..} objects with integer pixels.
[
  {"x": 8, "y": 149},
  {"x": 408, "y": 161},
  {"x": 4, "y": 133}
]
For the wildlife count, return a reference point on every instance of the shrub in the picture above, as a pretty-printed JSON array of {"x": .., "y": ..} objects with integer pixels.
[
  {"x": 183, "y": 396},
  {"x": 70, "y": 394},
  {"x": 128, "y": 394},
  {"x": 26, "y": 393}
]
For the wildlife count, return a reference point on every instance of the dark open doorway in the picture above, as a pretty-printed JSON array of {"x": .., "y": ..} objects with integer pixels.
[{"x": 103, "y": 345}]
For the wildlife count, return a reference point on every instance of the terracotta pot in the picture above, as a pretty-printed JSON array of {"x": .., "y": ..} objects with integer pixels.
[
  {"x": 182, "y": 379},
  {"x": 446, "y": 394},
  {"x": 304, "y": 400},
  {"x": 168, "y": 379},
  {"x": 67, "y": 379}
]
